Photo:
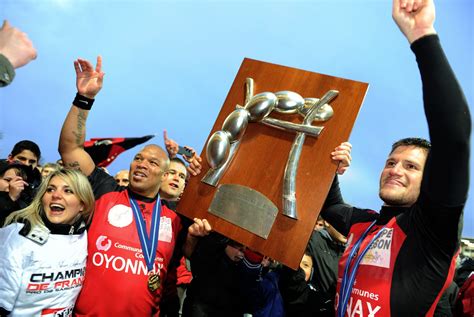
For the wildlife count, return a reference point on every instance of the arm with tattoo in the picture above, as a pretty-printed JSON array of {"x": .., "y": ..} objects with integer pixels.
[{"x": 73, "y": 132}]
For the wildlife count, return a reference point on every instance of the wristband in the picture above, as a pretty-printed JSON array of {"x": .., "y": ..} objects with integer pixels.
[{"x": 83, "y": 102}]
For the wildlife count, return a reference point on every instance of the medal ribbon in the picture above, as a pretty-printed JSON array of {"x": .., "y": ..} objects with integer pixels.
[
  {"x": 349, "y": 275},
  {"x": 149, "y": 243}
]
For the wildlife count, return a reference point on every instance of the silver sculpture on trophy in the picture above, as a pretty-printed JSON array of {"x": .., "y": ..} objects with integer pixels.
[{"x": 223, "y": 144}]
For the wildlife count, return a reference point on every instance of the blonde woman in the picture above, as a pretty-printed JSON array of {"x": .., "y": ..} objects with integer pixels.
[{"x": 43, "y": 248}]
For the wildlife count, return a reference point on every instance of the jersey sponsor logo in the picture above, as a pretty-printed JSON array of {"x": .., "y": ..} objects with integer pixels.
[
  {"x": 360, "y": 307},
  {"x": 54, "y": 276},
  {"x": 366, "y": 294},
  {"x": 103, "y": 243},
  {"x": 128, "y": 265},
  {"x": 380, "y": 250},
  {"x": 120, "y": 216},
  {"x": 48, "y": 282},
  {"x": 166, "y": 230},
  {"x": 57, "y": 312}
]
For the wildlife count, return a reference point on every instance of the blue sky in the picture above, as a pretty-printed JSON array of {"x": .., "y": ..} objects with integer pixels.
[{"x": 170, "y": 64}]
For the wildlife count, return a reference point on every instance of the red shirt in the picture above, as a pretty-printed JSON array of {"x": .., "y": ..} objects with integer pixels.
[
  {"x": 116, "y": 272},
  {"x": 184, "y": 276}
]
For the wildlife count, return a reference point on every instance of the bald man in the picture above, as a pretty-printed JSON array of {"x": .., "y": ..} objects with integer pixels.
[
  {"x": 132, "y": 235},
  {"x": 122, "y": 178}
]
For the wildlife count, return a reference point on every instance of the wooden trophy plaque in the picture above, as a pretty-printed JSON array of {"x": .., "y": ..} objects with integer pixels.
[{"x": 270, "y": 155}]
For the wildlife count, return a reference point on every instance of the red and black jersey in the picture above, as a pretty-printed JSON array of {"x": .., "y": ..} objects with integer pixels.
[
  {"x": 116, "y": 272},
  {"x": 411, "y": 263},
  {"x": 408, "y": 267}
]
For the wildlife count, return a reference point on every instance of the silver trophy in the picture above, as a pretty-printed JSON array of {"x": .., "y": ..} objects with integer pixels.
[{"x": 223, "y": 144}]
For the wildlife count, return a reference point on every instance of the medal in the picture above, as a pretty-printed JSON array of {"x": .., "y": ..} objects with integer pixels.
[
  {"x": 153, "y": 281},
  {"x": 149, "y": 243},
  {"x": 355, "y": 257}
]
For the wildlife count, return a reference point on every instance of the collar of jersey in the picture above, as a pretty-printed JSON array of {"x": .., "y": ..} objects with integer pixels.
[
  {"x": 388, "y": 212},
  {"x": 139, "y": 197},
  {"x": 58, "y": 228}
]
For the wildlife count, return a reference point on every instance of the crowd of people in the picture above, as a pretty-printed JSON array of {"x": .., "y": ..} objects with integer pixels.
[{"x": 76, "y": 241}]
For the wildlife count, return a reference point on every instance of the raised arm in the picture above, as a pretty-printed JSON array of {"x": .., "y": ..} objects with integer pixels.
[
  {"x": 171, "y": 146},
  {"x": 446, "y": 173},
  {"x": 334, "y": 210},
  {"x": 415, "y": 18},
  {"x": 73, "y": 133},
  {"x": 16, "y": 50},
  {"x": 200, "y": 228},
  {"x": 16, "y": 46},
  {"x": 173, "y": 149}
]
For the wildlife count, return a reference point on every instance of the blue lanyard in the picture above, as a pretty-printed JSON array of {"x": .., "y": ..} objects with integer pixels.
[
  {"x": 349, "y": 275},
  {"x": 149, "y": 243}
]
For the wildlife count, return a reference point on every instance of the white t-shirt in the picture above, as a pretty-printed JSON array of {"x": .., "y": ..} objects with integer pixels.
[{"x": 40, "y": 280}]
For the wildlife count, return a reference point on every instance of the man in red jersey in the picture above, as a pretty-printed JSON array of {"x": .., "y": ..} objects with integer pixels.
[
  {"x": 398, "y": 262},
  {"x": 132, "y": 235}
]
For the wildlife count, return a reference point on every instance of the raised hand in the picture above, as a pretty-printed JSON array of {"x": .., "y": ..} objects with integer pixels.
[
  {"x": 171, "y": 145},
  {"x": 415, "y": 18},
  {"x": 200, "y": 228},
  {"x": 88, "y": 80},
  {"x": 266, "y": 261},
  {"x": 16, "y": 186},
  {"x": 342, "y": 155},
  {"x": 15, "y": 45},
  {"x": 194, "y": 161}
]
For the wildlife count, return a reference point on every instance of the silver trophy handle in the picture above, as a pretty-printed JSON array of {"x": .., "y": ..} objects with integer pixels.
[
  {"x": 249, "y": 89},
  {"x": 289, "y": 179},
  {"x": 292, "y": 127},
  {"x": 291, "y": 169}
]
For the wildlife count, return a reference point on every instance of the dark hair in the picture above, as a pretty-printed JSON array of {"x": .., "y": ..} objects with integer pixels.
[
  {"x": 178, "y": 160},
  {"x": 20, "y": 169},
  {"x": 26, "y": 145},
  {"x": 234, "y": 244},
  {"x": 416, "y": 142},
  {"x": 18, "y": 172}
]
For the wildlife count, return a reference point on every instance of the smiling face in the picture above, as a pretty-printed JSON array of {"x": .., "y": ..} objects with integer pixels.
[
  {"x": 147, "y": 170},
  {"x": 401, "y": 177},
  {"x": 60, "y": 203},
  {"x": 175, "y": 180}
]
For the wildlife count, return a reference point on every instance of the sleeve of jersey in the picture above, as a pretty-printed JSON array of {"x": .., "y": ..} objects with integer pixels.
[
  {"x": 7, "y": 72},
  {"x": 446, "y": 174},
  {"x": 208, "y": 249},
  {"x": 335, "y": 211},
  {"x": 293, "y": 286},
  {"x": 334, "y": 196},
  {"x": 180, "y": 234},
  {"x": 250, "y": 272},
  {"x": 102, "y": 183},
  {"x": 10, "y": 267}
]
